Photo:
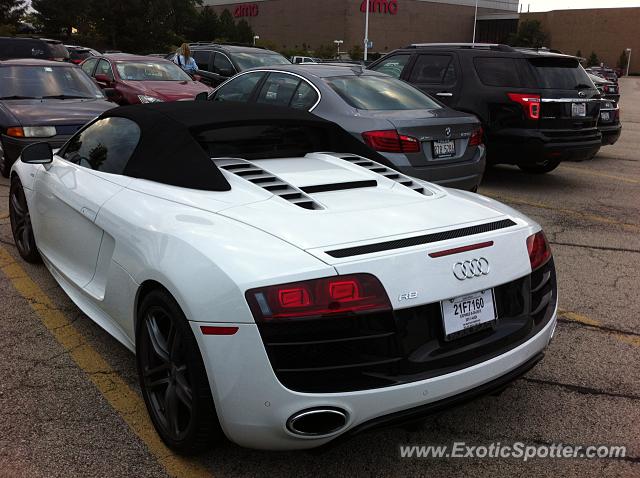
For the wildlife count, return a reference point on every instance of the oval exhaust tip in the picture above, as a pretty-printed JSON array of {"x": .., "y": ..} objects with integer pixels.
[{"x": 317, "y": 422}]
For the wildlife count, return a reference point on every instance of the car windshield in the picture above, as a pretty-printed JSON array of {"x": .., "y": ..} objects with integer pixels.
[
  {"x": 251, "y": 60},
  {"x": 150, "y": 71},
  {"x": 560, "y": 74},
  {"x": 17, "y": 82},
  {"x": 380, "y": 93}
]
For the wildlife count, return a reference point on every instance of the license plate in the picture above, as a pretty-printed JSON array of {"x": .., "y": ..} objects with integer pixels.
[
  {"x": 605, "y": 116},
  {"x": 444, "y": 149},
  {"x": 578, "y": 109},
  {"x": 468, "y": 313}
]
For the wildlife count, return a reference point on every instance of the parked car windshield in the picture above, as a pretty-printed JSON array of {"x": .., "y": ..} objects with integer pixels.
[
  {"x": 380, "y": 93},
  {"x": 251, "y": 60},
  {"x": 17, "y": 82},
  {"x": 560, "y": 74},
  {"x": 150, "y": 71}
]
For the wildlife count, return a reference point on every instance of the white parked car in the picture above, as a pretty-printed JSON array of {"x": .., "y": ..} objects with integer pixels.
[{"x": 290, "y": 290}]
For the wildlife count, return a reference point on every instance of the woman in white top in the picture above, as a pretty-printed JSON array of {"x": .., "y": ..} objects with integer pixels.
[{"x": 184, "y": 59}]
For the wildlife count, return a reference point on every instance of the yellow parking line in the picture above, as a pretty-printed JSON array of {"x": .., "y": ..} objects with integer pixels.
[
  {"x": 571, "y": 212},
  {"x": 581, "y": 319},
  {"x": 601, "y": 175},
  {"x": 118, "y": 393}
]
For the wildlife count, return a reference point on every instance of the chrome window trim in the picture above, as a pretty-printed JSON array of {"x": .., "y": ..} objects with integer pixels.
[{"x": 275, "y": 71}]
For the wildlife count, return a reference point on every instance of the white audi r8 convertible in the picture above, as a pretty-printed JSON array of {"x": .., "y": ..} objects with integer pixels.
[{"x": 278, "y": 281}]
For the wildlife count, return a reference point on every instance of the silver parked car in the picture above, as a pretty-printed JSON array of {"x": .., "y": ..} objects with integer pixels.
[{"x": 420, "y": 136}]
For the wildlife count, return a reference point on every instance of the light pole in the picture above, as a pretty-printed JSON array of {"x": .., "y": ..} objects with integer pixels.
[
  {"x": 256, "y": 37},
  {"x": 475, "y": 21},
  {"x": 338, "y": 43},
  {"x": 366, "y": 32},
  {"x": 628, "y": 60}
]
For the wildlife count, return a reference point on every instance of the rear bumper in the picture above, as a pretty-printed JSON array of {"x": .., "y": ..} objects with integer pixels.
[
  {"x": 465, "y": 175},
  {"x": 610, "y": 134},
  {"x": 524, "y": 146},
  {"x": 13, "y": 146}
]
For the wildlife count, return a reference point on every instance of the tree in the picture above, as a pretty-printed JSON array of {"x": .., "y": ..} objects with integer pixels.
[
  {"x": 579, "y": 54},
  {"x": 593, "y": 60},
  {"x": 11, "y": 11},
  {"x": 244, "y": 32},
  {"x": 227, "y": 26},
  {"x": 59, "y": 17},
  {"x": 530, "y": 34},
  {"x": 207, "y": 26},
  {"x": 622, "y": 61},
  {"x": 326, "y": 51},
  {"x": 356, "y": 53}
]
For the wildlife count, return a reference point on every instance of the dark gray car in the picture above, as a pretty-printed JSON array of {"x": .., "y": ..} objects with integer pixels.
[
  {"x": 419, "y": 135},
  {"x": 43, "y": 101}
]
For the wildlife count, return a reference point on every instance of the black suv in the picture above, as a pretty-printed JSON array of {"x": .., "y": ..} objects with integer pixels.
[
  {"x": 218, "y": 62},
  {"x": 538, "y": 108},
  {"x": 38, "y": 48}
]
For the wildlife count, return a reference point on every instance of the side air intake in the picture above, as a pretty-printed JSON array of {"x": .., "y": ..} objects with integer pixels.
[
  {"x": 387, "y": 173},
  {"x": 267, "y": 181}
]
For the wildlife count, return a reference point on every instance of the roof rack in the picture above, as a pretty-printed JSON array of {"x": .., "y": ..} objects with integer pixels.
[
  {"x": 478, "y": 46},
  {"x": 214, "y": 43}
]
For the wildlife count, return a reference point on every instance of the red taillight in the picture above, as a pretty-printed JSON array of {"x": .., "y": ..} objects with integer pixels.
[
  {"x": 319, "y": 297},
  {"x": 215, "y": 330},
  {"x": 389, "y": 141},
  {"x": 530, "y": 104},
  {"x": 476, "y": 138},
  {"x": 539, "y": 250}
]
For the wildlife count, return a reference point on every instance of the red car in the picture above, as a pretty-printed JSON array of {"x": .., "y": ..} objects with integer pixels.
[{"x": 142, "y": 79}]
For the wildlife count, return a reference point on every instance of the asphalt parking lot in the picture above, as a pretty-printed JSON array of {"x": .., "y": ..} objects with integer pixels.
[{"x": 70, "y": 403}]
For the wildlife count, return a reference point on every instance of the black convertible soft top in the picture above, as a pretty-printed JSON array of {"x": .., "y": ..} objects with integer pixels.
[{"x": 171, "y": 149}]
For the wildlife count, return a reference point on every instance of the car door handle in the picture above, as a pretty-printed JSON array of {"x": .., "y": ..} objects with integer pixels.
[
  {"x": 444, "y": 93},
  {"x": 89, "y": 213}
]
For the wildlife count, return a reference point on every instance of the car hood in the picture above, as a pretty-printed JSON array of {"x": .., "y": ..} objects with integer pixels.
[
  {"x": 169, "y": 90},
  {"x": 353, "y": 204},
  {"x": 55, "y": 112}
]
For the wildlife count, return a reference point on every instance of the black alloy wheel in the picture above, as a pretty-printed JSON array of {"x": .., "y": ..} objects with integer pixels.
[
  {"x": 173, "y": 378},
  {"x": 21, "y": 223}
]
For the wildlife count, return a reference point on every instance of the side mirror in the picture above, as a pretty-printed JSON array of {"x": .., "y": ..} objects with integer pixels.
[
  {"x": 37, "y": 153},
  {"x": 204, "y": 96},
  {"x": 102, "y": 78},
  {"x": 196, "y": 77},
  {"x": 110, "y": 93}
]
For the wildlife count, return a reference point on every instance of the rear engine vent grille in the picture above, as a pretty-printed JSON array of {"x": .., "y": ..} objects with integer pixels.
[
  {"x": 419, "y": 240},
  {"x": 267, "y": 181},
  {"x": 387, "y": 173}
]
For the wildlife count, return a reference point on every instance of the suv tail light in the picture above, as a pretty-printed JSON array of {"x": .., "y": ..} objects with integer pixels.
[
  {"x": 539, "y": 250},
  {"x": 389, "y": 141},
  {"x": 319, "y": 297},
  {"x": 476, "y": 137},
  {"x": 530, "y": 104}
]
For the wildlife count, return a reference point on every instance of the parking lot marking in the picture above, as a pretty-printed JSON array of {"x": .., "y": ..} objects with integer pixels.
[
  {"x": 571, "y": 212},
  {"x": 602, "y": 175},
  {"x": 118, "y": 393},
  {"x": 581, "y": 319}
]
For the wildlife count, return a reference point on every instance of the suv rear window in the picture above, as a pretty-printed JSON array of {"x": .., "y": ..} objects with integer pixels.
[
  {"x": 560, "y": 73},
  {"x": 498, "y": 71},
  {"x": 380, "y": 93}
]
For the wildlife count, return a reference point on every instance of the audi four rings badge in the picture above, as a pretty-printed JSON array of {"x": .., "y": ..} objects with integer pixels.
[{"x": 470, "y": 269}]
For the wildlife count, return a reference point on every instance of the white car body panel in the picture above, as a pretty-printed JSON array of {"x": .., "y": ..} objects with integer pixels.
[{"x": 104, "y": 236}]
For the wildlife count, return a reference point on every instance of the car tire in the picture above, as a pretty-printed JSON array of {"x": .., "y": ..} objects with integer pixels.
[
  {"x": 5, "y": 167},
  {"x": 21, "y": 227},
  {"x": 173, "y": 378},
  {"x": 541, "y": 167}
]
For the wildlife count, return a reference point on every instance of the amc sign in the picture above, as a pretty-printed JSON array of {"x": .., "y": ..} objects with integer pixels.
[
  {"x": 246, "y": 10},
  {"x": 380, "y": 6}
]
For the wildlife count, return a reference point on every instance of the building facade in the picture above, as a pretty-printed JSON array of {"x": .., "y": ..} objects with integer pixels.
[
  {"x": 605, "y": 31},
  {"x": 290, "y": 24}
]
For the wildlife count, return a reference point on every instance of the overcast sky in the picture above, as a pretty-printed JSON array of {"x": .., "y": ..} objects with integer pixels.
[{"x": 544, "y": 5}]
